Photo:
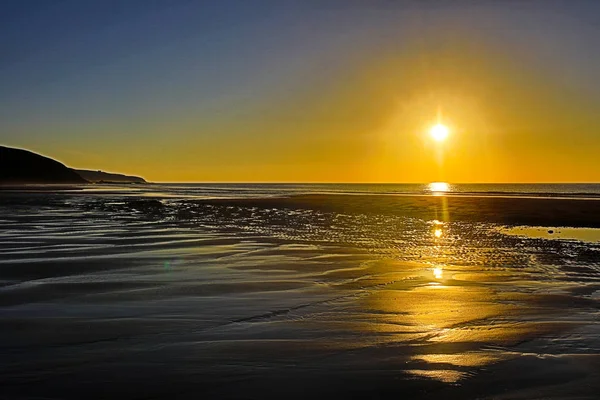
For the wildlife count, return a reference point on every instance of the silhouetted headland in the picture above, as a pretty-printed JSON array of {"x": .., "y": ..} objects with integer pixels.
[
  {"x": 19, "y": 166},
  {"x": 108, "y": 177}
]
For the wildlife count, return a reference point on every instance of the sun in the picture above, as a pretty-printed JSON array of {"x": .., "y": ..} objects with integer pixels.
[{"x": 439, "y": 132}]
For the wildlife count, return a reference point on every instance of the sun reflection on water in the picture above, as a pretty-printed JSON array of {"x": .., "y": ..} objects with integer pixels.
[
  {"x": 437, "y": 227},
  {"x": 439, "y": 187}
]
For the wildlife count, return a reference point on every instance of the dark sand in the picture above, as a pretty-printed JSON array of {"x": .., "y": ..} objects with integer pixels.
[
  {"x": 576, "y": 212},
  {"x": 320, "y": 296}
]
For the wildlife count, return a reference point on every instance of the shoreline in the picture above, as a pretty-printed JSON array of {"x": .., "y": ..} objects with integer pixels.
[
  {"x": 576, "y": 212},
  {"x": 292, "y": 190}
]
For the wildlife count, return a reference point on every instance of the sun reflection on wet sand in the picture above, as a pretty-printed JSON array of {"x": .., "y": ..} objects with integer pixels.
[
  {"x": 450, "y": 323},
  {"x": 467, "y": 359},
  {"x": 437, "y": 231},
  {"x": 442, "y": 375}
]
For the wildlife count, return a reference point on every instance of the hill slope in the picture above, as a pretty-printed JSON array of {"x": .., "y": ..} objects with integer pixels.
[{"x": 22, "y": 166}]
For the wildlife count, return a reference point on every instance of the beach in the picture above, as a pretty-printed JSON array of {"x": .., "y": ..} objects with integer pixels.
[{"x": 138, "y": 294}]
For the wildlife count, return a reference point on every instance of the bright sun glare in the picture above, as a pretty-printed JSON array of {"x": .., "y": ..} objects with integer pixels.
[
  {"x": 439, "y": 187},
  {"x": 439, "y": 132}
]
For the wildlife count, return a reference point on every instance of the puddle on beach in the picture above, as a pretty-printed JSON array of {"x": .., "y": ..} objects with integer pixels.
[{"x": 590, "y": 235}]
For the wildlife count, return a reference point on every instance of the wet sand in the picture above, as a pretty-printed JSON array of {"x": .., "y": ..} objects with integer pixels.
[
  {"x": 574, "y": 212},
  {"x": 105, "y": 296}
]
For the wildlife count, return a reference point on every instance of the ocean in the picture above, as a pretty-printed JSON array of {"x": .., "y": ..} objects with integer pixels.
[
  {"x": 300, "y": 290},
  {"x": 282, "y": 189}
]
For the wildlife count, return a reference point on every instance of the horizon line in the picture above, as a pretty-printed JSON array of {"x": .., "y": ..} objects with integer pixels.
[{"x": 375, "y": 183}]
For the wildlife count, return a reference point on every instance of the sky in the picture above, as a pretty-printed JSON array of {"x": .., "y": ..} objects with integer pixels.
[{"x": 306, "y": 91}]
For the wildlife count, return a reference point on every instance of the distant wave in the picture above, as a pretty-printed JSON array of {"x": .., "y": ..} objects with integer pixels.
[{"x": 263, "y": 190}]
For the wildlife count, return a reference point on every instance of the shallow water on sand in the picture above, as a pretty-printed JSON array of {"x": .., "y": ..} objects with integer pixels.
[
  {"x": 591, "y": 235},
  {"x": 111, "y": 295}
]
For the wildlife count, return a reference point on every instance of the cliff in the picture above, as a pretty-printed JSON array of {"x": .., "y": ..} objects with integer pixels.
[{"x": 18, "y": 166}]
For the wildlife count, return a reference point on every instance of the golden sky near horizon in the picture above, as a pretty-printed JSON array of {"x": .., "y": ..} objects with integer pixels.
[{"x": 371, "y": 123}]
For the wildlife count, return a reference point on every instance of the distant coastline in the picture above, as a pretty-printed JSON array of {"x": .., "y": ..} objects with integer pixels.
[{"x": 108, "y": 177}]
